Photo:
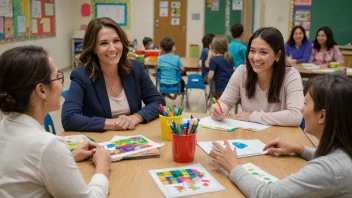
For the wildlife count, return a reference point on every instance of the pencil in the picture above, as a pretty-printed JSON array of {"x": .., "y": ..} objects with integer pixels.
[{"x": 219, "y": 105}]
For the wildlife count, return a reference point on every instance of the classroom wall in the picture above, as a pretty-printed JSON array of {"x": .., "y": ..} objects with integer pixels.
[
  {"x": 60, "y": 45},
  {"x": 275, "y": 13},
  {"x": 142, "y": 20}
]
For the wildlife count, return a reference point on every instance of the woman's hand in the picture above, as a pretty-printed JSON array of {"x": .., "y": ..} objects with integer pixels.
[
  {"x": 244, "y": 116},
  {"x": 216, "y": 113},
  {"x": 324, "y": 66},
  {"x": 225, "y": 157},
  {"x": 84, "y": 151},
  {"x": 124, "y": 122},
  {"x": 102, "y": 160},
  {"x": 283, "y": 147}
]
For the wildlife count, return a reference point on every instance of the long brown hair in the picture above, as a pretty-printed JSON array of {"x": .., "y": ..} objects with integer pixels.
[
  {"x": 272, "y": 37},
  {"x": 220, "y": 46},
  {"x": 333, "y": 93},
  {"x": 90, "y": 60}
]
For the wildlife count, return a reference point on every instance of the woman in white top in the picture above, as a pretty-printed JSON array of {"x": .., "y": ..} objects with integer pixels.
[
  {"x": 327, "y": 112},
  {"x": 34, "y": 163}
]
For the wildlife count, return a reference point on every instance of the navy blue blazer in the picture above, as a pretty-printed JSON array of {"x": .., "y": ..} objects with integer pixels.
[{"x": 87, "y": 104}]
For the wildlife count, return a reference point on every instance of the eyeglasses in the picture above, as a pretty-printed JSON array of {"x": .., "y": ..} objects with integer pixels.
[{"x": 60, "y": 78}]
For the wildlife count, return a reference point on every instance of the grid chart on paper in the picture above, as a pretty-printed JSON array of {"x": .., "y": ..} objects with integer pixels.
[
  {"x": 178, "y": 176},
  {"x": 127, "y": 145}
]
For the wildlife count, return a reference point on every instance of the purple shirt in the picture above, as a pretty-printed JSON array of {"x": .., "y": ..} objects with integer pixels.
[{"x": 302, "y": 53}]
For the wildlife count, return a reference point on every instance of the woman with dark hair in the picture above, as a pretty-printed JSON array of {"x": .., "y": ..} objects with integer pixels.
[
  {"x": 34, "y": 163},
  {"x": 325, "y": 49},
  {"x": 107, "y": 92},
  {"x": 327, "y": 112},
  {"x": 270, "y": 92},
  {"x": 298, "y": 47},
  {"x": 207, "y": 39}
]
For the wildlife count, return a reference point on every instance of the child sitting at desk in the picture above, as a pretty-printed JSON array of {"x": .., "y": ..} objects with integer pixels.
[
  {"x": 221, "y": 64},
  {"x": 148, "y": 43},
  {"x": 169, "y": 63}
]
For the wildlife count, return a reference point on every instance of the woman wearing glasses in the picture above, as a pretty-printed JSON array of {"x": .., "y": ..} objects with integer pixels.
[{"x": 34, "y": 163}]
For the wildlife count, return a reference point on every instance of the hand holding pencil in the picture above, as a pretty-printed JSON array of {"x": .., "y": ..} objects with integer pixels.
[{"x": 217, "y": 112}]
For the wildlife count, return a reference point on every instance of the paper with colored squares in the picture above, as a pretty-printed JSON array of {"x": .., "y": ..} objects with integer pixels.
[
  {"x": 185, "y": 181},
  {"x": 259, "y": 174},
  {"x": 120, "y": 146},
  {"x": 230, "y": 124},
  {"x": 244, "y": 148},
  {"x": 73, "y": 141}
]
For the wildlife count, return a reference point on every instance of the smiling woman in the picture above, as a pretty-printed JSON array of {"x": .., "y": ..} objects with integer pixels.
[
  {"x": 270, "y": 92},
  {"x": 298, "y": 47},
  {"x": 107, "y": 92}
]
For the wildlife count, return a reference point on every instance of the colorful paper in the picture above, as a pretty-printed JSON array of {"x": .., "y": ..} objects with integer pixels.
[
  {"x": 185, "y": 181},
  {"x": 259, "y": 174},
  {"x": 120, "y": 146},
  {"x": 73, "y": 141},
  {"x": 49, "y": 9},
  {"x": 85, "y": 10},
  {"x": 230, "y": 124},
  {"x": 46, "y": 25},
  {"x": 244, "y": 148}
]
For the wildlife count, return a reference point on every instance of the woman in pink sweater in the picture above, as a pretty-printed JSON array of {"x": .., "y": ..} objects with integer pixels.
[
  {"x": 270, "y": 92},
  {"x": 325, "y": 49}
]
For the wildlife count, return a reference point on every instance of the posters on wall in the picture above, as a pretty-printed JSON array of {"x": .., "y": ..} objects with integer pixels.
[
  {"x": 237, "y": 5},
  {"x": 215, "y": 5},
  {"x": 301, "y": 14},
  {"x": 164, "y": 8}
]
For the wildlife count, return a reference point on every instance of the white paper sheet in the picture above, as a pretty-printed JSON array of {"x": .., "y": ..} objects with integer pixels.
[
  {"x": 230, "y": 124},
  {"x": 259, "y": 174},
  {"x": 185, "y": 181},
  {"x": 244, "y": 148},
  {"x": 310, "y": 66}
]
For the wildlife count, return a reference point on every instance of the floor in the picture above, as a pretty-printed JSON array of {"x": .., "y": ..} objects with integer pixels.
[{"x": 196, "y": 100}]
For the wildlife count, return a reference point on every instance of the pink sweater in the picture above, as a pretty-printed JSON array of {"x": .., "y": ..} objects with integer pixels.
[
  {"x": 327, "y": 57},
  {"x": 286, "y": 113}
]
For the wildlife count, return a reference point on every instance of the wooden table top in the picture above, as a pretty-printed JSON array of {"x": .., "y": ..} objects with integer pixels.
[
  {"x": 190, "y": 64},
  {"x": 130, "y": 178},
  {"x": 309, "y": 73}
]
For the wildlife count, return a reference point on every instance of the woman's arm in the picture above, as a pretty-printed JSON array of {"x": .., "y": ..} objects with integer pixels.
[
  {"x": 292, "y": 115},
  {"x": 306, "y": 53},
  {"x": 338, "y": 55},
  {"x": 62, "y": 177},
  {"x": 71, "y": 117}
]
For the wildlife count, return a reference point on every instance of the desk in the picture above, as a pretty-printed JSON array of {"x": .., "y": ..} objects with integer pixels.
[
  {"x": 190, "y": 64},
  {"x": 309, "y": 73},
  {"x": 346, "y": 52},
  {"x": 126, "y": 175}
]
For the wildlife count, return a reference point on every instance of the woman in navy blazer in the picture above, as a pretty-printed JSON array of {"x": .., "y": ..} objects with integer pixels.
[{"x": 107, "y": 74}]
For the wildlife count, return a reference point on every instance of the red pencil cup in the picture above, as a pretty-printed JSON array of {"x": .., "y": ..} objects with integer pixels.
[{"x": 183, "y": 147}]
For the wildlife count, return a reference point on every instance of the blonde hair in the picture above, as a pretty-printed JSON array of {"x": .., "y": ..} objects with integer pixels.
[{"x": 220, "y": 46}]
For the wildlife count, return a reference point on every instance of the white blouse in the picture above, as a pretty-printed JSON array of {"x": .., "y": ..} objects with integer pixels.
[{"x": 34, "y": 163}]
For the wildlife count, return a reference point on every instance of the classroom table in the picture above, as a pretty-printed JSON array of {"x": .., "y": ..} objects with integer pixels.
[
  {"x": 309, "y": 73},
  {"x": 190, "y": 64},
  {"x": 130, "y": 178}
]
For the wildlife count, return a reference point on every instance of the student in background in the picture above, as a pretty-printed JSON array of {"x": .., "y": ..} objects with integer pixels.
[
  {"x": 237, "y": 49},
  {"x": 169, "y": 63},
  {"x": 298, "y": 47},
  {"x": 221, "y": 64},
  {"x": 327, "y": 113},
  {"x": 148, "y": 43},
  {"x": 270, "y": 92},
  {"x": 207, "y": 39},
  {"x": 107, "y": 92},
  {"x": 34, "y": 163},
  {"x": 325, "y": 49}
]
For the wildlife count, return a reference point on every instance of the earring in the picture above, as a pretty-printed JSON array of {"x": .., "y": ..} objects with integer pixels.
[{"x": 277, "y": 60}]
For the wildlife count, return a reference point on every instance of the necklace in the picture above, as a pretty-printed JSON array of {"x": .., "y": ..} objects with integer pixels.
[{"x": 111, "y": 87}]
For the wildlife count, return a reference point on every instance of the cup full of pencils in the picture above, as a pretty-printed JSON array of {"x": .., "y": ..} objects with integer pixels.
[
  {"x": 169, "y": 114},
  {"x": 183, "y": 140}
]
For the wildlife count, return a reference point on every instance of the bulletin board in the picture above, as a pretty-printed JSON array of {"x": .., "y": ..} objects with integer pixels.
[
  {"x": 300, "y": 14},
  {"x": 22, "y": 20},
  {"x": 118, "y": 10}
]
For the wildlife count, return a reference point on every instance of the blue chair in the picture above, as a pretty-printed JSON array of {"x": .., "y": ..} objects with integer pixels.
[
  {"x": 169, "y": 89},
  {"x": 303, "y": 125},
  {"x": 195, "y": 81},
  {"x": 48, "y": 122},
  {"x": 64, "y": 94}
]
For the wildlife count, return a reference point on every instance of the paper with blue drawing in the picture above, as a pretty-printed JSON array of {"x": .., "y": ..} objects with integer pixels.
[
  {"x": 230, "y": 124},
  {"x": 244, "y": 148}
]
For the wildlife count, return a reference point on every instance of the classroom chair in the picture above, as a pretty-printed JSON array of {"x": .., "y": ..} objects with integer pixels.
[
  {"x": 169, "y": 89},
  {"x": 303, "y": 125},
  {"x": 64, "y": 94},
  {"x": 48, "y": 123},
  {"x": 195, "y": 81}
]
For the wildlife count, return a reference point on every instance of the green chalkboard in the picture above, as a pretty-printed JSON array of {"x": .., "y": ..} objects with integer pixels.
[
  {"x": 214, "y": 21},
  {"x": 335, "y": 14}
]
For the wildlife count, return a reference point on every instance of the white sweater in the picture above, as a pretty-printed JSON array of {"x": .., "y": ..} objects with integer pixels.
[{"x": 34, "y": 163}]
